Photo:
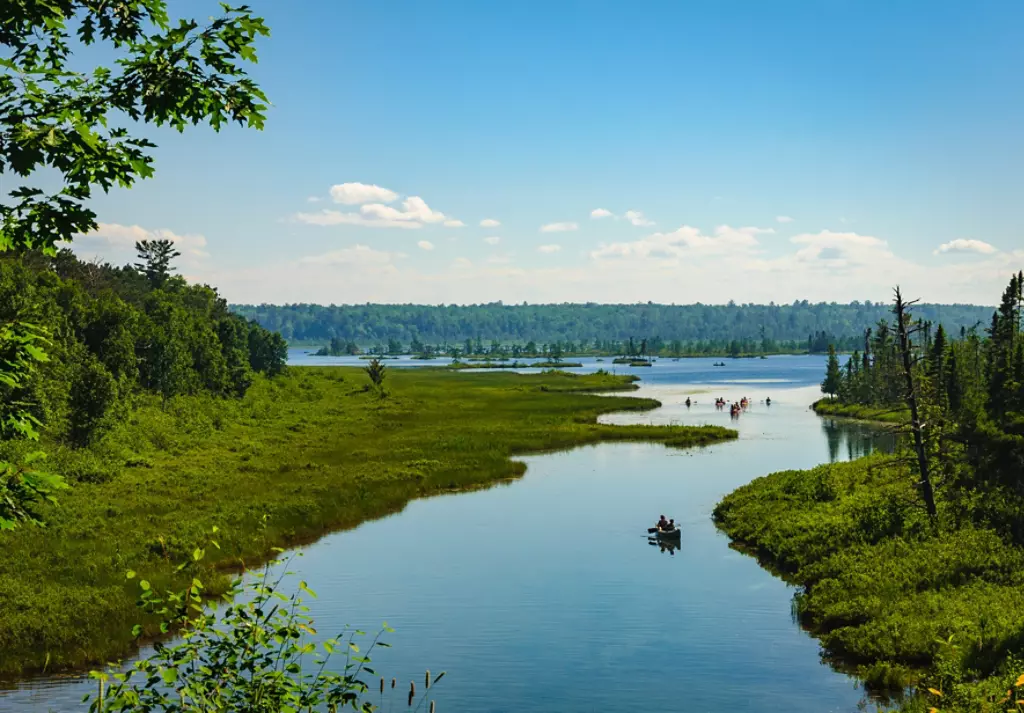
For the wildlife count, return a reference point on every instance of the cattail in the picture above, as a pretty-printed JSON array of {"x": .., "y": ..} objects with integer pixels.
[
  {"x": 412, "y": 688},
  {"x": 427, "y": 679},
  {"x": 393, "y": 681},
  {"x": 382, "y": 684},
  {"x": 433, "y": 707},
  {"x": 410, "y": 699}
]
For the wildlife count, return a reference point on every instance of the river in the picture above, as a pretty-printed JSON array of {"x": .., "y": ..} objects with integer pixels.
[{"x": 545, "y": 594}]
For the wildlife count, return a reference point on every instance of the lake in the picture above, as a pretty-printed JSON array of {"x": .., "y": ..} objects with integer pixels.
[{"x": 545, "y": 594}]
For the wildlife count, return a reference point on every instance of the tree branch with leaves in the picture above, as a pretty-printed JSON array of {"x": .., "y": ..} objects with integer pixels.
[{"x": 59, "y": 118}]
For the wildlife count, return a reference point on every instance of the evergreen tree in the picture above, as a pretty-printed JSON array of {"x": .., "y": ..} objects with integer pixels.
[
  {"x": 156, "y": 256},
  {"x": 833, "y": 375}
]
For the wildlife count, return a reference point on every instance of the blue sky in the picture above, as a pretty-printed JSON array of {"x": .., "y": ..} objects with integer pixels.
[{"x": 751, "y": 151}]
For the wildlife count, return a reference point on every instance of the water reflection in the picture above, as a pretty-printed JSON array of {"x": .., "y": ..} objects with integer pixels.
[
  {"x": 665, "y": 545},
  {"x": 856, "y": 438}
]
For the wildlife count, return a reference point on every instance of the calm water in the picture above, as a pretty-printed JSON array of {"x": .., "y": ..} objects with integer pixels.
[{"x": 545, "y": 594}]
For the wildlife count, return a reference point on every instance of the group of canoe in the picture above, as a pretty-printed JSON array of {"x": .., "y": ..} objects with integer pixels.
[{"x": 737, "y": 407}]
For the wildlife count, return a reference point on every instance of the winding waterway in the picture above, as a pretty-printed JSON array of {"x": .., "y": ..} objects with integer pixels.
[{"x": 544, "y": 594}]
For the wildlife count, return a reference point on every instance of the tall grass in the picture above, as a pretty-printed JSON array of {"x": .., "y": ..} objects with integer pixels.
[{"x": 315, "y": 450}]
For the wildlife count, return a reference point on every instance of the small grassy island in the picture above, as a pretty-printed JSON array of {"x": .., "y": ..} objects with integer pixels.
[
  {"x": 515, "y": 365},
  {"x": 632, "y": 361},
  {"x": 314, "y": 449}
]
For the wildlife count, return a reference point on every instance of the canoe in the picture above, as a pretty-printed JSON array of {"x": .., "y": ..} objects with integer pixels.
[{"x": 675, "y": 534}]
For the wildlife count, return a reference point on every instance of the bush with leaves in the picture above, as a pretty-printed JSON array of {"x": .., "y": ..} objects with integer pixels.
[
  {"x": 377, "y": 372},
  {"x": 255, "y": 655},
  {"x": 21, "y": 485}
]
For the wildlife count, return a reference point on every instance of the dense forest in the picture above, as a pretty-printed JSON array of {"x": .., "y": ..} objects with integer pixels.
[
  {"x": 89, "y": 337},
  {"x": 697, "y": 328}
]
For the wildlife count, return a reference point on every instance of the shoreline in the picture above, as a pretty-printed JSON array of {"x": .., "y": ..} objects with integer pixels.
[
  {"x": 384, "y": 456},
  {"x": 856, "y": 412}
]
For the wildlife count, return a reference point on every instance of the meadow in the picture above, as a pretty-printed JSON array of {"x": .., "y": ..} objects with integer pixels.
[{"x": 314, "y": 450}]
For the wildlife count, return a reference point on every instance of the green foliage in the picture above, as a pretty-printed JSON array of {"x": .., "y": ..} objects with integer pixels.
[
  {"x": 670, "y": 330},
  {"x": 56, "y": 117},
  {"x": 115, "y": 335},
  {"x": 879, "y": 588},
  {"x": 833, "y": 376},
  {"x": 21, "y": 352},
  {"x": 377, "y": 373},
  {"x": 22, "y": 487},
  {"x": 257, "y": 653},
  {"x": 312, "y": 448}
]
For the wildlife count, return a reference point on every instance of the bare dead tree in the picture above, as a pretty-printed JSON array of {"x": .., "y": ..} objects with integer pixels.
[{"x": 902, "y": 318}]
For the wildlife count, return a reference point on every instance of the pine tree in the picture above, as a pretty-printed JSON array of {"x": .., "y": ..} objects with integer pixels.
[
  {"x": 833, "y": 374},
  {"x": 156, "y": 256},
  {"x": 937, "y": 355}
]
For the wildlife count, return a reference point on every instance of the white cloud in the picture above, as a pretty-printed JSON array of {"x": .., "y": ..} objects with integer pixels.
[
  {"x": 113, "y": 241},
  {"x": 359, "y": 193},
  {"x": 494, "y": 240},
  {"x": 489, "y": 223},
  {"x": 314, "y": 199},
  {"x": 687, "y": 241},
  {"x": 961, "y": 245},
  {"x": 548, "y": 249},
  {"x": 601, "y": 213},
  {"x": 414, "y": 208},
  {"x": 374, "y": 211},
  {"x": 425, "y": 245},
  {"x": 500, "y": 259},
  {"x": 558, "y": 227},
  {"x": 828, "y": 254},
  {"x": 413, "y": 214},
  {"x": 783, "y": 219},
  {"x": 334, "y": 217},
  {"x": 637, "y": 218},
  {"x": 362, "y": 255},
  {"x": 821, "y": 266}
]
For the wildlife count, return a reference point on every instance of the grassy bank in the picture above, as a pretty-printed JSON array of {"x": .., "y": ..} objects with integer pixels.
[
  {"x": 885, "y": 595},
  {"x": 314, "y": 450},
  {"x": 881, "y": 414}
]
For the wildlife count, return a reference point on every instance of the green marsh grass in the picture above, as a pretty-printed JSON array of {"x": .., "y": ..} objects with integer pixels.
[
  {"x": 315, "y": 450},
  {"x": 880, "y": 414},
  {"x": 889, "y": 598}
]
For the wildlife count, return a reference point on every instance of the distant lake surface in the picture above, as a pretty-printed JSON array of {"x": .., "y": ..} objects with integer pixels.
[{"x": 545, "y": 595}]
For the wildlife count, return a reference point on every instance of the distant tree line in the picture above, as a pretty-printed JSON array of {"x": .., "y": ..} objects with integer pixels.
[
  {"x": 111, "y": 332},
  {"x": 607, "y": 328}
]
